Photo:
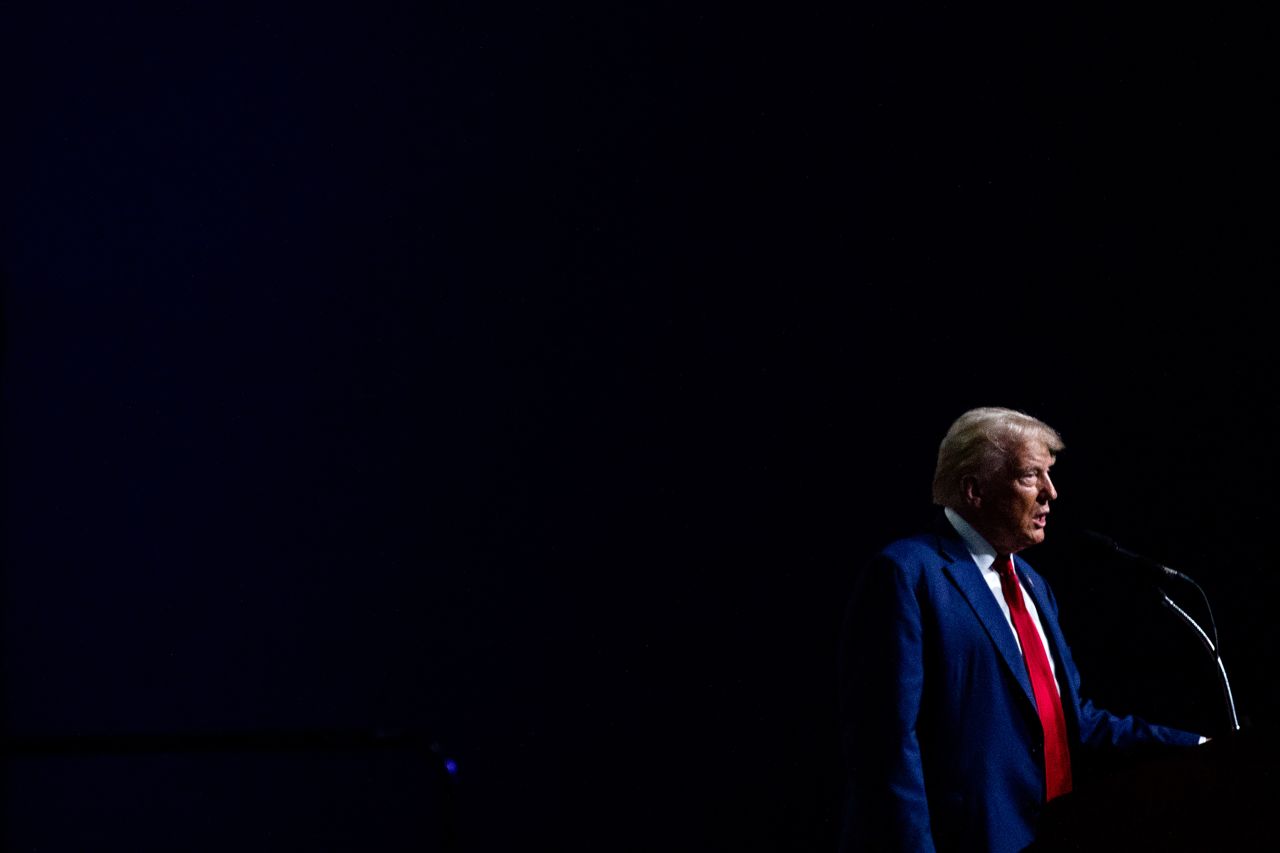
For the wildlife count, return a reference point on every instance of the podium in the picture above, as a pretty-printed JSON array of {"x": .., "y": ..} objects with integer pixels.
[{"x": 1217, "y": 796}]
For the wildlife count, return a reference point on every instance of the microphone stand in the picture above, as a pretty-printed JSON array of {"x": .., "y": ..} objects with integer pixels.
[
  {"x": 1166, "y": 573},
  {"x": 1209, "y": 645}
]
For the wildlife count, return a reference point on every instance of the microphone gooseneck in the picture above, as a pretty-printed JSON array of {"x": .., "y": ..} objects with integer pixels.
[{"x": 1211, "y": 644}]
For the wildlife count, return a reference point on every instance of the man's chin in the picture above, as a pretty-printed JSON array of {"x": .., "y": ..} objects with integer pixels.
[{"x": 1030, "y": 538}]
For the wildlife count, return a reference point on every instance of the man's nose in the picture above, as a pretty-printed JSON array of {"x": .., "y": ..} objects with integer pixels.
[{"x": 1047, "y": 491}]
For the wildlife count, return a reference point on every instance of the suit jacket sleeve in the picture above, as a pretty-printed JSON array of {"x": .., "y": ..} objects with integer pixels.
[{"x": 882, "y": 677}]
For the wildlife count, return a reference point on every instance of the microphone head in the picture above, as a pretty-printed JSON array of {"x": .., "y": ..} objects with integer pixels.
[{"x": 1106, "y": 543}]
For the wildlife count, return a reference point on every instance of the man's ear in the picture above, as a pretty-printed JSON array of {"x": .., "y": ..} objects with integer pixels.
[{"x": 972, "y": 491}]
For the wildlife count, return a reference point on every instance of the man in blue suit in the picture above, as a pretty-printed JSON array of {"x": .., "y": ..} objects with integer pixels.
[{"x": 960, "y": 706}]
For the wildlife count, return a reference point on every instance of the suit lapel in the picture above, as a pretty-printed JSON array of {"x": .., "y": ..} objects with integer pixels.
[
  {"x": 1057, "y": 649},
  {"x": 1050, "y": 624},
  {"x": 967, "y": 577}
]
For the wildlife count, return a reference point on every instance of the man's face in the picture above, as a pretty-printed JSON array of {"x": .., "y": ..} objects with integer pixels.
[{"x": 1011, "y": 508}]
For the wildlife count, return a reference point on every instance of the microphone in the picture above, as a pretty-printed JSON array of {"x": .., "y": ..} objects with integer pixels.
[
  {"x": 1210, "y": 643},
  {"x": 1150, "y": 565}
]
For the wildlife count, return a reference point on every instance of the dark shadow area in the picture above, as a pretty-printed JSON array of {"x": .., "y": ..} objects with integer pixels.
[{"x": 539, "y": 377}]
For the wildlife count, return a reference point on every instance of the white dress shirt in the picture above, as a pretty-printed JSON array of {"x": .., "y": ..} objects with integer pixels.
[{"x": 985, "y": 556}]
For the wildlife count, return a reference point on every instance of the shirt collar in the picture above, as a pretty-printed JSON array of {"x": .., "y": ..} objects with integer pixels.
[{"x": 979, "y": 548}]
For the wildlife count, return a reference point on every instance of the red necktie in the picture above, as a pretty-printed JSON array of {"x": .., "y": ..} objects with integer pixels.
[{"x": 1057, "y": 755}]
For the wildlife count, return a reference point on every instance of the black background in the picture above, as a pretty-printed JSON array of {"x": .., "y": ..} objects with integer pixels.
[{"x": 537, "y": 376}]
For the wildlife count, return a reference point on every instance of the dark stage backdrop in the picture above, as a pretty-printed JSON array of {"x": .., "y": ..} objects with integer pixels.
[{"x": 533, "y": 379}]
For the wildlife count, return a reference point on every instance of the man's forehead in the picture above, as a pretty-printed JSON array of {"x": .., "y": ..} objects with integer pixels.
[{"x": 1034, "y": 453}]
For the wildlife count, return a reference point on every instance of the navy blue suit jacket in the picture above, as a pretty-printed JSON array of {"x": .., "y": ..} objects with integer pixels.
[{"x": 940, "y": 732}]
